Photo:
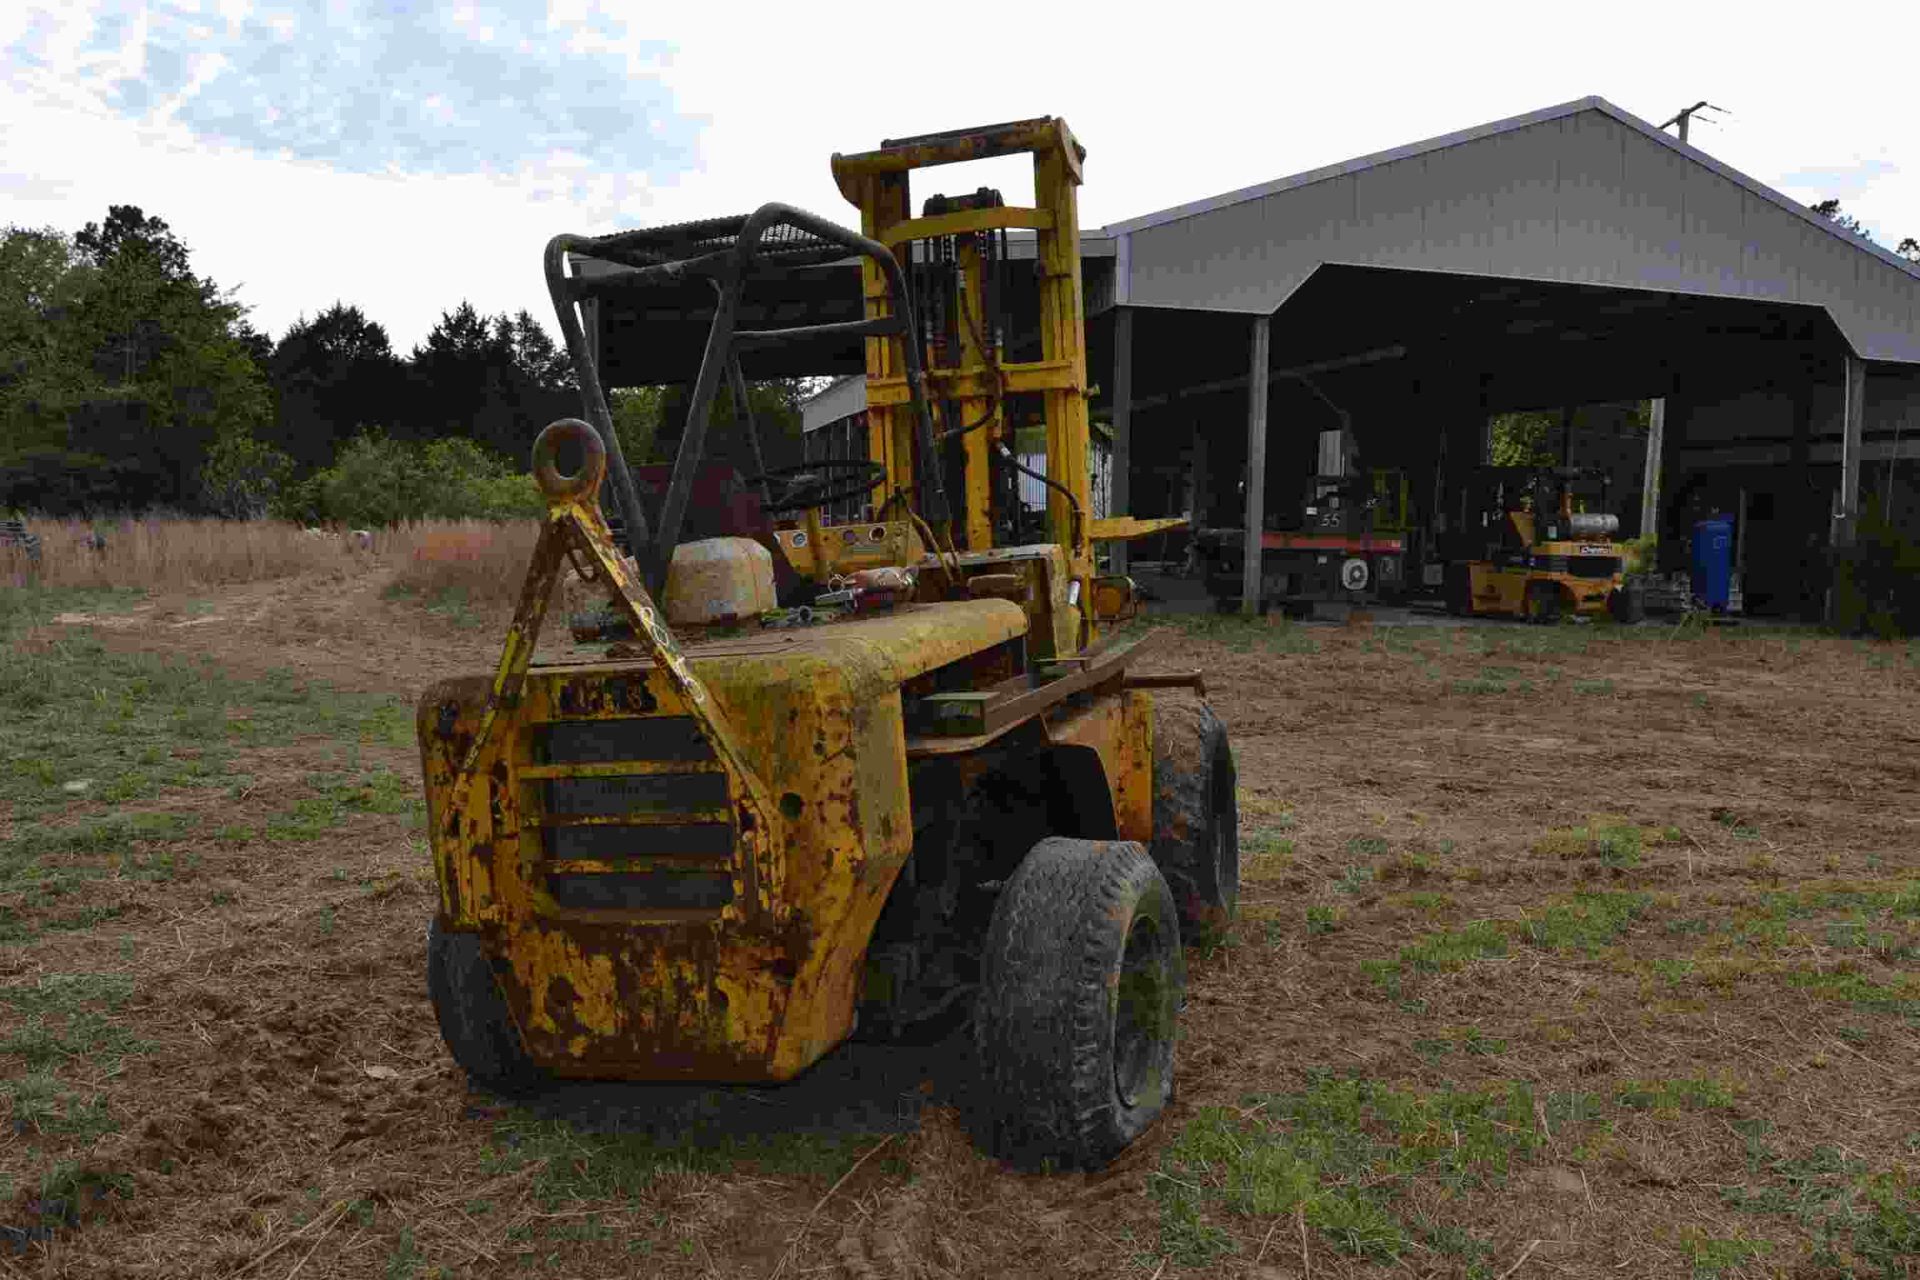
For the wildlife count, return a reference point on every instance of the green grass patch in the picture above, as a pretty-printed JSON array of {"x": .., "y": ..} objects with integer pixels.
[
  {"x": 1445, "y": 951},
  {"x": 1862, "y": 1223},
  {"x": 41, "y": 1043},
  {"x": 29, "y": 606},
  {"x": 1675, "y": 1095},
  {"x": 1453, "y": 949},
  {"x": 1273, "y": 633},
  {"x": 1673, "y": 972},
  {"x": 1266, "y": 842},
  {"x": 117, "y": 843},
  {"x": 87, "y": 723},
  {"x": 1478, "y": 685},
  {"x": 1343, "y": 1153},
  {"x": 1712, "y": 1256},
  {"x": 1614, "y": 841},
  {"x": 69, "y": 992},
  {"x": 1587, "y": 922},
  {"x": 1471, "y": 1041},
  {"x": 18, "y": 928},
  {"x": 1860, "y": 935},
  {"x": 41, "y": 1103},
  {"x": 454, "y": 603},
  {"x": 1592, "y": 687},
  {"x": 1354, "y": 880},
  {"x": 1540, "y": 641},
  {"x": 65, "y": 1022},
  {"x": 335, "y": 796},
  {"x": 1900, "y": 996},
  {"x": 1897, "y": 901}
]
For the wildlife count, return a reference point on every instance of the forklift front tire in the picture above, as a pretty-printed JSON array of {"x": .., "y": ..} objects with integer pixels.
[
  {"x": 473, "y": 1015},
  {"x": 1544, "y": 603},
  {"x": 1080, "y": 984}
]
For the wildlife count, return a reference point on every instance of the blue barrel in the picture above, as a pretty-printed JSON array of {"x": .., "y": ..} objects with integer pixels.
[{"x": 1713, "y": 562}]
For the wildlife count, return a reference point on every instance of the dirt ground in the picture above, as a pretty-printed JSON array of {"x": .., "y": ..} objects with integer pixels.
[{"x": 1660, "y": 888}]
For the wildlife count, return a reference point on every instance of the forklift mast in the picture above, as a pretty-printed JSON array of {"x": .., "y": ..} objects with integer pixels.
[{"x": 956, "y": 255}]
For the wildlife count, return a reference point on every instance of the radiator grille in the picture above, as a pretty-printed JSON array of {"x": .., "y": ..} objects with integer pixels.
[{"x": 657, "y": 836}]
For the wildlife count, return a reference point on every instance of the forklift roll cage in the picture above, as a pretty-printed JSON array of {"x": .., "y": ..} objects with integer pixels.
[{"x": 774, "y": 241}]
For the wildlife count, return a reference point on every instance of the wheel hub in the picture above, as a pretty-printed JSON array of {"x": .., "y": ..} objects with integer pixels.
[{"x": 1140, "y": 1014}]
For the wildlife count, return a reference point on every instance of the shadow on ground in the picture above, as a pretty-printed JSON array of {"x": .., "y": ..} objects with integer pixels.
[{"x": 858, "y": 1088}]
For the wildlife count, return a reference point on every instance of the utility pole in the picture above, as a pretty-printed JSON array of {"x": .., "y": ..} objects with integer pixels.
[{"x": 1687, "y": 115}]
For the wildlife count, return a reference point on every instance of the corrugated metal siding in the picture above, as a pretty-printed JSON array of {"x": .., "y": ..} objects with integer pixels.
[
  {"x": 839, "y": 400},
  {"x": 1582, "y": 197},
  {"x": 1033, "y": 493}
]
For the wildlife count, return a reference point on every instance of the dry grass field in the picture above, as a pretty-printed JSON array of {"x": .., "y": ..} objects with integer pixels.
[{"x": 1562, "y": 952}]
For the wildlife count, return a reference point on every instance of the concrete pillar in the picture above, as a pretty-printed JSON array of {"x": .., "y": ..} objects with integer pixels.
[
  {"x": 1120, "y": 490},
  {"x": 1650, "y": 478},
  {"x": 1669, "y": 521},
  {"x": 1199, "y": 481},
  {"x": 1852, "y": 417},
  {"x": 1255, "y": 514}
]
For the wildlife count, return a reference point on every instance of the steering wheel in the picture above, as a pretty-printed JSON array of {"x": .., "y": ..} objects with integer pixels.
[{"x": 811, "y": 484}]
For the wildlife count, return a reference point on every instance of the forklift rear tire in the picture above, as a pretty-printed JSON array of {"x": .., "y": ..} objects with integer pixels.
[
  {"x": 473, "y": 1015},
  {"x": 1196, "y": 814},
  {"x": 1080, "y": 983}
]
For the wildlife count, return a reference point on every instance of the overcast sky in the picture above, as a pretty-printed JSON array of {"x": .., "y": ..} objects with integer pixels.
[{"x": 403, "y": 157}]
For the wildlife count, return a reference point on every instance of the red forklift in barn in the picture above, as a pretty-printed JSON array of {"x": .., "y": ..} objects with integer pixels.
[{"x": 1344, "y": 543}]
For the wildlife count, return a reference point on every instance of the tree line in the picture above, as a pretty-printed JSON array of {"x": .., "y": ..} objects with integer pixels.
[
  {"x": 1908, "y": 248},
  {"x": 130, "y": 382}
]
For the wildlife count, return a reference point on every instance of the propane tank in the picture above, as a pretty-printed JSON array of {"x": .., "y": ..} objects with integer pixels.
[
  {"x": 718, "y": 580},
  {"x": 1593, "y": 524}
]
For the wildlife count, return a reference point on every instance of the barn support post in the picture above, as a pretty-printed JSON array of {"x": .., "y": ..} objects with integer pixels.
[
  {"x": 1199, "y": 483},
  {"x": 1852, "y": 416},
  {"x": 1650, "y": 478},
  {"x": 1255, "y": 515},
  {"x": 1670, "y": 521},
  {"x": 1119, "y": 488}
]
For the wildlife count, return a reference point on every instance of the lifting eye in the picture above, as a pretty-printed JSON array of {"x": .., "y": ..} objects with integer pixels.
[{"x": 566, "y": 435}]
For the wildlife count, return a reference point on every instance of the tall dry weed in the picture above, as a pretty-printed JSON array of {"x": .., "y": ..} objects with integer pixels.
[
  {"x": 171, "y": 553},
  {"x": 178, "y": 553},
  {"x": 484, "y": 562}
]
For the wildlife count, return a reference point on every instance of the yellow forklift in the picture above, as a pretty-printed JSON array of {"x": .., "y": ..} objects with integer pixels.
[
  {"x": 924, "y": 790},
  {"x": 1537, "y": 553}
]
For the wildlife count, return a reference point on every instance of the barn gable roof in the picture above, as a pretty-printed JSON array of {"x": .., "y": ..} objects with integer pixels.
[{"x": 1582, "y": 192}]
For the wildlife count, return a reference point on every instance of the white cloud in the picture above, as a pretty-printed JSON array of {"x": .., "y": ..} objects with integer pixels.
[{"x": 1173, "y": 105}]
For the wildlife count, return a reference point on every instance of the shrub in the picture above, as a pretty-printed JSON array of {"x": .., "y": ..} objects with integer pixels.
[
  {"x": 1877, "y": 579},
  {"x": 1640, "y": 555},
  {"x": 242, "y": 477},
  {"x": 379, "y": 481}
]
